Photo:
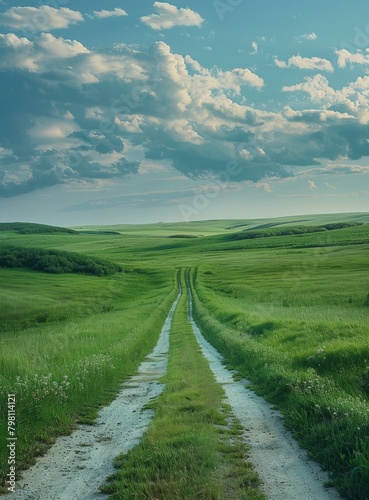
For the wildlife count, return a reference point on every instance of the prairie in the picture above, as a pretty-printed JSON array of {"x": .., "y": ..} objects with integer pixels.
[{"x": 288, "y": 311}]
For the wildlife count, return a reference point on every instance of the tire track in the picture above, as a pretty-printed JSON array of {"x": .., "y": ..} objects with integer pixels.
[
  {"x": 284, "y": 468},
  {"x": 78, "y": 464}
]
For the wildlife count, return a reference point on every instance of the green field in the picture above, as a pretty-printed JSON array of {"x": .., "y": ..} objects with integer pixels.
[{"x": 287, "y": 311}]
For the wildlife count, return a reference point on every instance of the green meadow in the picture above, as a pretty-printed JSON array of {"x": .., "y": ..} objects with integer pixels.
[{"x": 288, "y": 308}]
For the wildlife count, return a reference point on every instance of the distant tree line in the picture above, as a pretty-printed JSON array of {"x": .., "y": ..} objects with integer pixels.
[
  {"x": 249, "y": 234},
  {"x": 31, "y": 228},
  {"x": 55, "y": 261}
]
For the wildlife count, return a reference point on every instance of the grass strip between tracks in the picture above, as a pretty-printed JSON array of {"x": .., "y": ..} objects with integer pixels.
[{"x": 192, "y": 448}]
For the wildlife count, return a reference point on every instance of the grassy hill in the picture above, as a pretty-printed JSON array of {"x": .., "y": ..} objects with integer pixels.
[
  {"x": 220, "y": 226},
  {"x": 31, "y": 228},
  {"x": 284, "y": 299}
]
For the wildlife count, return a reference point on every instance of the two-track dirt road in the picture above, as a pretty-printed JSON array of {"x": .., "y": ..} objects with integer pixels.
[
  {"x": 75, "y": 467},
  {"x": 78, "y": 464},
  {"x": 284, "y": 468}
]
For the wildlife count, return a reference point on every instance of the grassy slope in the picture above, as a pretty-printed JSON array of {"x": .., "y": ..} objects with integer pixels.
[
  {"x": 63, "y": 372},
  {"x": 28, "y": 298},
  {"x": 223, "y": 225},
  {"x": 68, "y": 341},
  {"x": 295, "y": 322},
  {"x": 288, "y": 304}
]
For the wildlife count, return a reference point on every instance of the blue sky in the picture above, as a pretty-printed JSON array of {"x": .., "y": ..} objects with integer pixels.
[{"x": 149, "y": 111}]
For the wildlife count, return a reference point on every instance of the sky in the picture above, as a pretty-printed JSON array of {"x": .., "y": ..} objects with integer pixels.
[{"x": 137, "y": 112}]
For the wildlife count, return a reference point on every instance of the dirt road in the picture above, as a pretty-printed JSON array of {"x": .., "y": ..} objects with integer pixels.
[
  {"x": 284, "y": 468},
  {"x": 78, "y": 464}
]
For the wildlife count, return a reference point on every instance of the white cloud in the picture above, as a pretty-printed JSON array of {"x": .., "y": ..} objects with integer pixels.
[
  {"x": 280, "y": 64},
  {"x": 317, "y": 87},
  {"x": 169, "y": 16},
  {"x": 103, "y": 14},
  {"x": 94, "y": 113},
  {"x": 58, "y": 48},
  {"x": 182, "y": 131},
  {"x": 312, "y": 185},
  {"x": 362, "y": 83},
  {"x": 166, "y": 107},
  {"x": 255, "y": 48},
  {"x": 317, "y": 115},
  {"x": 45, "y": 53},
  {"x": 43, "y": 18},
  {"x": 351, "y": 101},
  {"x": 131, "y": 124},
  {"x": 36, "y": 55},
  {"x": 308, "y": 36},
  {"x": 309, "y": 63},
  {"x": 345, "y": 57},
  {"x": 4, "y": 152},
  {"x": 246, "y": 154}
]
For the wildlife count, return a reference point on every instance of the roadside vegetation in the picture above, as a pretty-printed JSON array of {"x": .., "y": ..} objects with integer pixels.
[
  {"x": 62, "y": 372},
  {"x": 192, "y": 448},
  {"x": 296, "y": 325}
]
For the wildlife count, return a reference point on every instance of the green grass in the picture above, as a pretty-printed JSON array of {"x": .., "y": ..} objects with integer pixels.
[
  {"x": 184, "y": 454},
  {"x": 303, "y": 342},
  {"x": 289, "y": 311},
  {"x": 220, "y": 226},
  {"x": 61, "y": 372},
  {"x": 29, "y": 298}
]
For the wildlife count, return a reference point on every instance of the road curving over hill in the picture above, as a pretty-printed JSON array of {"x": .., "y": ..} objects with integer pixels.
[{"x": 284, "y": 468}]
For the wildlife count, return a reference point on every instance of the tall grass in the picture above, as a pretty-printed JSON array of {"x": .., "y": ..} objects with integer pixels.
[
  {"x": 289, "y": 311},
  {"x": 317, "y": 382},
  {"x": 62, "y": 372}
]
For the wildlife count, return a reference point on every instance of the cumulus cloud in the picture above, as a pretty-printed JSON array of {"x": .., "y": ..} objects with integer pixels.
[
  {"x": 70, "y": 113},
  {"x": 83, "y": 110},
  {"x": 64, "y": 60},
  {"x": 309, "y": 63},
  {"x": 39, "y": 54},
  {"x": 103, "y": 14},
  {"x": 349, "y": 102},
  {"x": 43, "y": 18},
  {"x": 312, "y": 185},
  {"x": 53, "y": 133},
  {"x": 345, "y": 57},
  {"x": 169, "y": 16},
  {"x": 317, "y": 87}
]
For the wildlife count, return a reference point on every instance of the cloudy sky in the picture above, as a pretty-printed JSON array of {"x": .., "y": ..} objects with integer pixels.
[{"x": 122, "y": 111}]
